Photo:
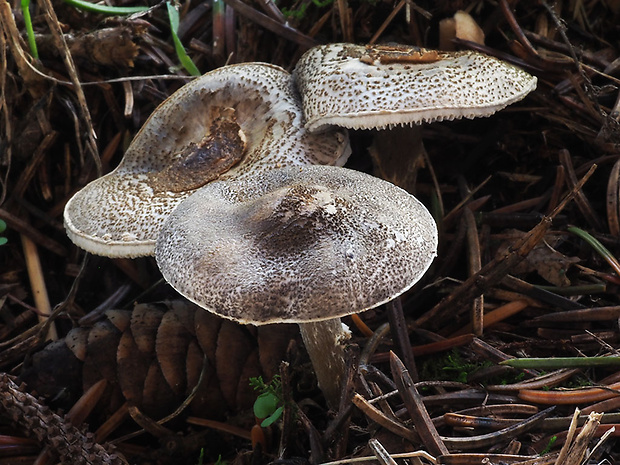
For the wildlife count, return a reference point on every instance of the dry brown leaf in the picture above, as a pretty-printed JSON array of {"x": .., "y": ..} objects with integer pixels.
[{"x": 547, "y": 262}]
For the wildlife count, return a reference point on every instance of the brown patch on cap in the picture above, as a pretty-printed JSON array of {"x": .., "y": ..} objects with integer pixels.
[
  {"x": 386, "y": 54},
  {"x": 202, "y": 162}
]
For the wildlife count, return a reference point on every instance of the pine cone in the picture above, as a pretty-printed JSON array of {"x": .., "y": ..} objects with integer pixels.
[{"x": 153, "y": 356}]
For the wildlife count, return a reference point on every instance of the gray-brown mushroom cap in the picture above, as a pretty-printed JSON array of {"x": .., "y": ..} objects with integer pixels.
[
  {"x": 348, "y": 85},
  {"x": 251, "y": 107},
  {"x": 296, "y": 244}
]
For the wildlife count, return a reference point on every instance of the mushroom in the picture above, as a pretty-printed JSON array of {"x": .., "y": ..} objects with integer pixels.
[
  {"x": 258, "y": 243},
  {"x": 461, "y": 26},
  {"x": 298, "y": 244},
  {"x": 229, "y": 123},
  {"x": 382, "y": 86}
]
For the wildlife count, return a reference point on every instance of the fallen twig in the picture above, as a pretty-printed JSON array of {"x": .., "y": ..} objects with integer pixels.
[{"x": 72, "y": 445}]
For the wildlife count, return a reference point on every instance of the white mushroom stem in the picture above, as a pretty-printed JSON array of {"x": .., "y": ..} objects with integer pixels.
[{"x": 325, "y": 341}]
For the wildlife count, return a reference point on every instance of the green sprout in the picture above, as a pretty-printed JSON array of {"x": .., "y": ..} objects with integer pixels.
[
  {"x": 450, "y": 366},
  {"x": 84, "y": 5},
  {"x": 268, "y": 406},
  {"x": 25, "y": 4},
  {"x": 549, "y": 445},
  {"x": 3, "y": 240},
  {"x": 301, "y": 12},
  {"x": 184, "y": 58}
]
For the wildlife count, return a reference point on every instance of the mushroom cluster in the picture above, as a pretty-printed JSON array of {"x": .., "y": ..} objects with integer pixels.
[
  {"x": 224, "y": 185},
  {"x": 230, "y": 123}
]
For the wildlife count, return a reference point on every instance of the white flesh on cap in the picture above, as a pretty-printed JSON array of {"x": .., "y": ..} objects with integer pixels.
[
  {"x": 120, "y": 214},
  {"x": 339, "y": 89}
]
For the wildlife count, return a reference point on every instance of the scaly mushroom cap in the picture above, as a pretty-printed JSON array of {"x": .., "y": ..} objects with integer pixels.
[
  {"x": 376, "y": 87},
  {"x": 229, "y": 123},
  {"x": 296, "y": 244}
]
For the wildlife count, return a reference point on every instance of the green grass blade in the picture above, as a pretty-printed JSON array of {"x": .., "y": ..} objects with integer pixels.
[
  {"x": 598, "y": 247},
  {"x": 29, "y": 29},
  {"x": 184, "y": 58},
  {"x": 555, "y": 363},
  {"x": 105, "y": 9}
]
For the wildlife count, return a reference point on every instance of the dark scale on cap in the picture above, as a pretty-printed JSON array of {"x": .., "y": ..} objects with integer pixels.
[{"x": 296, "y": 217}]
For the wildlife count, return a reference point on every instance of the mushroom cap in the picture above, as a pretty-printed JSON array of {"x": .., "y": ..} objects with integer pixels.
[
  {"x": 120, "y": 214},
  {"x": 296, "y": 244},
  {"x": 340, "y": 89}
]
